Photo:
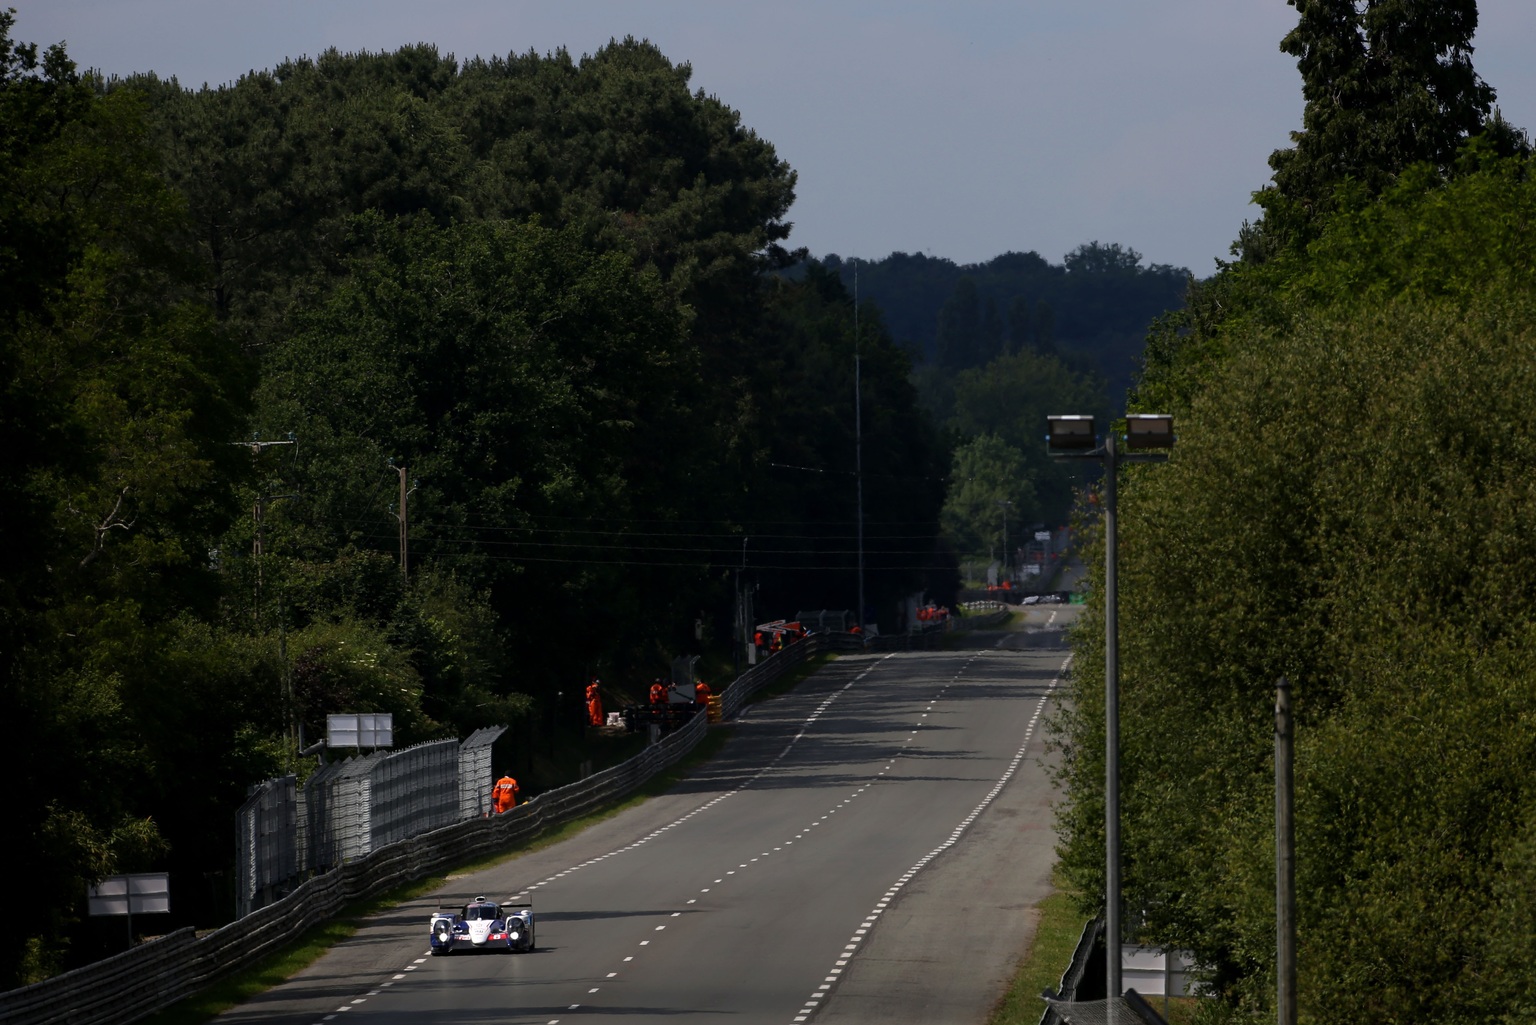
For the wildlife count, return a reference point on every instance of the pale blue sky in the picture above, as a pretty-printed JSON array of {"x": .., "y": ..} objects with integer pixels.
[{"x": 963, "y": 128}]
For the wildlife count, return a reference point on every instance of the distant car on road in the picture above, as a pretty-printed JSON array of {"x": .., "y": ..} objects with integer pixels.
[{"x": 484, "y": 925}]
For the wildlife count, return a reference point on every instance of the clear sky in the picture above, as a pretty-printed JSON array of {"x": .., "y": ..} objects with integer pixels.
[{"x": 958, "y": 128}]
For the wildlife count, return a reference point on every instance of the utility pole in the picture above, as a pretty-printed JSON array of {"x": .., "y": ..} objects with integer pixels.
[
  {"x": 258, "y": 513},
  {"x": 1005, "y": 503},
  {"x": 1285, "y": 856},
  {"x": 403, "y": 516},
  {"x": 1113, "y": 930},
  {"x": 858, "y": 446},
  {"x": 743, "y": 627}
]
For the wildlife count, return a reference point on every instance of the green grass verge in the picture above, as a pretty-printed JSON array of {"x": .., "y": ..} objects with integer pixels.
[
  {"x": 307, "y": 949},
  {"x": 301, "y": 953},
  {"x": 1056, "y": 936}
]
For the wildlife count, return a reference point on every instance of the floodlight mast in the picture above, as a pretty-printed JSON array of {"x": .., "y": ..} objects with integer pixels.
[
  {"x": 1073, "y": 437},
  {"x": 858, "y": 446}
]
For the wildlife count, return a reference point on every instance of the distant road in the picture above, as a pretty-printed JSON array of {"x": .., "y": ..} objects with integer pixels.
[{"x": 865, "y": 849}]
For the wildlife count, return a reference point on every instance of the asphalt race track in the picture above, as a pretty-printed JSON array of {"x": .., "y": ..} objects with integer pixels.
[{"x": 867, "y": 848}]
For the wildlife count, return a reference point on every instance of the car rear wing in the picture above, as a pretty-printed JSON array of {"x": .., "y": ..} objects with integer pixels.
[{"x": 525, "y": 902}]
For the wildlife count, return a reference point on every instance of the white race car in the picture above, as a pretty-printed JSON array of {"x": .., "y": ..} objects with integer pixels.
[{"x": 484, "y": 925}]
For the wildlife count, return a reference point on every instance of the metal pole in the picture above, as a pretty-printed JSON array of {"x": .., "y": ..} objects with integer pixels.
[
  {"x": 1112, "y": 930},
  {"x": 256, "y": 529},
  {"x": 1005, "y": 504},
  {"x": 404, "y": 527},
  {"x": 858, "y": 446},
  {"x": 1285, "y": 857}
]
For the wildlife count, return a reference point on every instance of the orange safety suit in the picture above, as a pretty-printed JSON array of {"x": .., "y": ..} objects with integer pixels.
[
  {"x": 594, "y": 705},
  {"x": 504, "y": 794},
  {"x": 701, "y": 693},
  {"x": 658, "y": 693}
]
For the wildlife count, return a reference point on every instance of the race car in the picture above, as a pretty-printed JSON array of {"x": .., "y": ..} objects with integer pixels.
[{"x": 484, "y": 925}]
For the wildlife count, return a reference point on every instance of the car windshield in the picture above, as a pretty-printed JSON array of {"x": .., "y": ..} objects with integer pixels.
[{"x": 480, "y": 912}]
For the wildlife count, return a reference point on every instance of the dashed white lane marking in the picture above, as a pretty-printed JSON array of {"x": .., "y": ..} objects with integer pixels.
[{"x": 864, "y": 927}]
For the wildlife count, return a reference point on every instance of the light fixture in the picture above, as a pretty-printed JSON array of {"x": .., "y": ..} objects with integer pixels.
[
  {"x": 1148, "y": 430},
  {"x": 1070, "y": 433}
]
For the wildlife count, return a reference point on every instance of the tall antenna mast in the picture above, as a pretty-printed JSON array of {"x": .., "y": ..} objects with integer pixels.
[{"x": 858, "y": 443}]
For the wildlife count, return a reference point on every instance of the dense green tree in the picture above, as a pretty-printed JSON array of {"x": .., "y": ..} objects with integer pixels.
[
  {"x": 958, "y": 341},
  {"x": 1009, "y": 399},
  {"x": 528, "y": 384},
  {"x": 614, "y": 145},
  {"x": 1092, "y": 310},
  {"x": 990, "y": 481},
  {"x": 1387, "y": 84},
  {"x": 1346, "y": 506},
  {"x": 803, "y": 476},
  {"x": 124, "y": 396}
]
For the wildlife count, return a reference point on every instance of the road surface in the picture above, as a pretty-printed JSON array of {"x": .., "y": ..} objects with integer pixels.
[{"x": 865, "y": 849}]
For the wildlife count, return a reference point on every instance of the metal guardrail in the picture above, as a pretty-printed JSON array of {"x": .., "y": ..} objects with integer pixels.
[
  {"x": 1077, "y": 970},
  {"x": 156, "y": 974}
]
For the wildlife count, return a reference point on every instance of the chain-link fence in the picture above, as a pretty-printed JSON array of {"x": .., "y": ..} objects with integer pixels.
[
  {"x": 475, "y": 774},
  {"x": 412, "y": 791},
  {"x": 267, "y": 834},
  {"x": 347, "y": 809}
]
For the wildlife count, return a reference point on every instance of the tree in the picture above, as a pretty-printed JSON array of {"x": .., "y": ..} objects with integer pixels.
[
  {"x": 1345, "y": 506},
  {"x": 990, "y": 481},
  {"x": 990, "y": 338},
  {"x": 1387, "y": 84},
  {"x": 801, "y": 485},
  {"x": 959, "y": 338},
  {"x": 124, "y": 395},
  {"x": 1009, "y": 399}
]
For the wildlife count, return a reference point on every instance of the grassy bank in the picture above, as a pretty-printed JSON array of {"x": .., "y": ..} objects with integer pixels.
[{"x": 1050, "y": 952}]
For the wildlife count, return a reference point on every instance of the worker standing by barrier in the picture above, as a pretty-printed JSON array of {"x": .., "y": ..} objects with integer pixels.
[
  {"x": 594, "y": 703},
  {"x": 504, "y": 794},
  {"x": 701, "y": 694},
  {"x": 658, "y": 694}
]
